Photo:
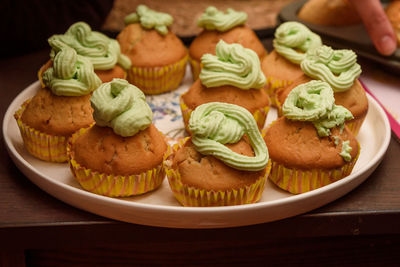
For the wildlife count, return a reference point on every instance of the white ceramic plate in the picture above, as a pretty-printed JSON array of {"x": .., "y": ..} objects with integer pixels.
[{"x": 159, "y": 208}]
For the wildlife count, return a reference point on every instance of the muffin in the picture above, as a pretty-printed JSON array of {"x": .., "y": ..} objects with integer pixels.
[
  {"x": 224, "y": 162},
  {"x": 392, "y": 11},
  {"x": 282, "y": 66},
  {"x": 122, "y": 154},
  {"x": 60, "y": 108},
  {"x": 330, "y": 13},
  {"x": 218, "y": 25},
  {"x": 309, "y": 145},
  {"x": 103, "y": 52},
  {"x": 340, "y": 70},
  {"x": 232, "y": 76},
  {"x": 158, "y": 56}
]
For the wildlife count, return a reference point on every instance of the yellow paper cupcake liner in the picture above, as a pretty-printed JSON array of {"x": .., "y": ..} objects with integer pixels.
[
  {"x": 271, "y": 87},
  {"x": 157, "y": 80},
  {"x": 354, "y": 125},
  {"x": 195, "y": 67},
  {"x": 113, "y": 185},
  {"x": 43, "y": 146},
  {"x": 260, "y": 115},
  {"x": 299, "y": 181},
  {"x": 195, "y": 197}
]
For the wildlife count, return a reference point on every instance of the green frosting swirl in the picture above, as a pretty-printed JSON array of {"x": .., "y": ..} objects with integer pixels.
[
  {"x": 150, "y": 19},
  {"x": 71, "y": 74},
  {"x": 232, "y": 65},
  {"x": 121, "y": 106},
  {"x": 215, "y": 124},
  {"x": 314, "y": 102},
  {"x": 213, "y": 19},
  {"x": 339, "y": 68},
  {"x": 103, "y": 52},
  {"x": 292, "y": 37}
]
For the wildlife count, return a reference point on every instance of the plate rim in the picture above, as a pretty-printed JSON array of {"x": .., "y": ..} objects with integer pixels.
[{"x": 176, "y": 210}]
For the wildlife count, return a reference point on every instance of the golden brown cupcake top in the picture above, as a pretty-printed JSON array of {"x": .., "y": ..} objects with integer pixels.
[
  {"x": 58, "y": 115},
  {"x": 100, "y": 149},
  {"x": 274, "y": 65}
]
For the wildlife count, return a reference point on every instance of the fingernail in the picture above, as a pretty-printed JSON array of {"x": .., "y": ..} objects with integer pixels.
[{"x": 387, "y": 45}]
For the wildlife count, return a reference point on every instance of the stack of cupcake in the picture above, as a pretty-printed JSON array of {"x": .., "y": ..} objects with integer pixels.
[{"x": 91, "y": 110}]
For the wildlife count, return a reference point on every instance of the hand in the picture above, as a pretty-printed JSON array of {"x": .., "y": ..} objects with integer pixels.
[{"x": 377, "y": 24}]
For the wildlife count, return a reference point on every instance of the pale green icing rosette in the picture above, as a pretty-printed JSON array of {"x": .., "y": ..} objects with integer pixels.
[
  {"x": 213, "y": 19},
  {"x": 71, "y": 74},
  {"x": 314, "y": 102},
  {"x": 121, "y": 106},
  {"x": 339, "y": 68},
  {"x": 292, "y": 37},
  {"x": 215, "y": 124},
  {"x": 232, "y": 65},
  {"x": 150, "y": 19},
  {"x": 103, "y": 52}
]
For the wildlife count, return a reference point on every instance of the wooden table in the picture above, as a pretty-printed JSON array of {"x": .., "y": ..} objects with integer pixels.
[{"x": 363, "y": 227}]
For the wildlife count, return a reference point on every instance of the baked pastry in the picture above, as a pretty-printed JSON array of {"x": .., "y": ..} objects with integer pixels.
[
  {"x": 330, "y": 13},
  {"x": 218, "y": 25},
  {"x": 232, "y": 76},
  {"x": 60, "y": 108},
  {"x": 282, "y": 66},
  {"x": 393, "y": 13},
  {"x": 158, "y": 56},
  {"x": 103, "y": 52},
  {"x": 224, "y": 162},
  {"x": 309, "y": 145},
  {"x": 122, "y": 154},
  {"x": 340, "y": 70}
]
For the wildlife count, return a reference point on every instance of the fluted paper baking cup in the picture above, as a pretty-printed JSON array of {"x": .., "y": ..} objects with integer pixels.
[
  {"x": 195, "y": 67},
  {"x": 260, "y": 115},
  {"x": 43, "y": 146},
  {"x": 157, "y": 80},
  {"x": 299, "y": 181},
  {"x": 113, "y": 185},
  {"x": 272, "y": 86},
  {"x": 197, "y": 197},
  {"x": 354, "y": 125}
]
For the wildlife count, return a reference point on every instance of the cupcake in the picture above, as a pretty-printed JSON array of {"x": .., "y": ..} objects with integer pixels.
[
  {"x": 310, "y": 146},
  {"x": 158, "y": 56},
  {"x": 339, "y": 68},
  {"x": 282, "y": 66},
  {"x": 330, "y": 13},
  {"x": 224, "y": 162},
  {"x": 103, "y": 52},
  {"x": 122, "y": 154},
  {"x": 60, "y": 108},
  {"x": 218, "y": 25},
  {"x": 392, "y": 11},
  {"x": 232, "y": 76}
]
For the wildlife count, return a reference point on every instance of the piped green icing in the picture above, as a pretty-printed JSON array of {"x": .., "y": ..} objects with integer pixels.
[
  {"x": 121, "y": 106},
  {"x": 150, "y": 19},
  {"x": 232, "y": 65},
  {"x": 103, "y": 52},
  {"x": 346, "y": 149},
  {"x": 213, "y": 19},
  {"x": 71, "y": 74},
  {"x": 214, "y": 124},
  {"x": 314, "y": 102},
  {"x": 339, "y": 68},
  {"x": 293, "y": 40}
]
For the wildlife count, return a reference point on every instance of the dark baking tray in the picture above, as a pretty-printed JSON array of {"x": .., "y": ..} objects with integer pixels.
[{"x": 353, "y": 37}]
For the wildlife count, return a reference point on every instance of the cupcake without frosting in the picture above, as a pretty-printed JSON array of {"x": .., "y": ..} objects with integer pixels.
[
  {"x": 232, "y": 76},
  {"x": 158, "y": 56},
  {"x": 122, "y": 154},
  {"x": 229, "y": 26},
  {"x": 60, "y": 108},
  {"x": 103, "y": 52},
  {"x": 282, "y": 66},
  {"x": 339, "y": 68},
  {"x": 224, "y": 162},
  {"x": 310, "y": 146}
]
